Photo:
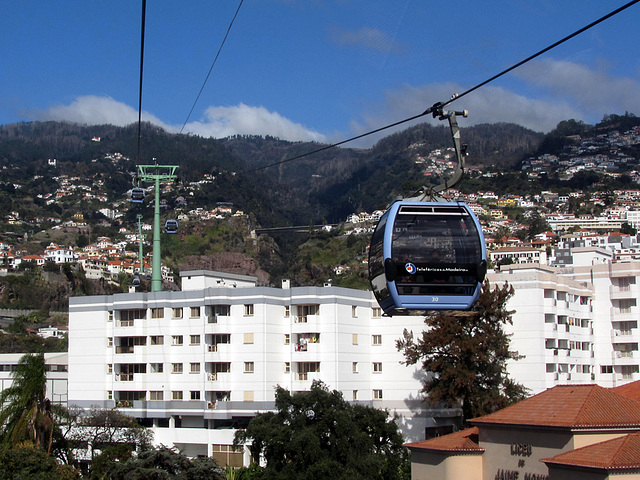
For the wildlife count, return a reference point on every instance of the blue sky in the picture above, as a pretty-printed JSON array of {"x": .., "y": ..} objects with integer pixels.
[{"x": 314, "y": 69}]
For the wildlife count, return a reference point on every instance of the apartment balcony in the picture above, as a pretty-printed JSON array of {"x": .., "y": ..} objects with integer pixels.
[
  {"x": 624, "y": 336},
  {"x": 627, "y": 377},
  {"x": 305, "y": 323},
  {"x": 619, "y": 314},
  {"x": 124, "y": 377},
  {"x": 625, "y": 357},
  {"x": 622, "y": 293}
]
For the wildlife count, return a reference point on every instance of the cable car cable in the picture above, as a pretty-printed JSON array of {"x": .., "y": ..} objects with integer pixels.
[
  {"x": 212, "y": 65},
  {"x": 437, "y": 107},
  {"x": 144, "y": 9}
]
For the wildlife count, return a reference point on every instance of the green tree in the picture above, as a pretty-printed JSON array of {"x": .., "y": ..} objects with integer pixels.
[
  {"x": 465, "y": 354},
  {"x": 24, "y": 462},
  {"x": 317, "y": 434},
  {"x": 26, "y": 413},
  {"x": 164, "y": 463}
]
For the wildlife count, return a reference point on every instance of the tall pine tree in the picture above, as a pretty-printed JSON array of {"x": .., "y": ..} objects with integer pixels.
[{"x": 465, "y": 356}]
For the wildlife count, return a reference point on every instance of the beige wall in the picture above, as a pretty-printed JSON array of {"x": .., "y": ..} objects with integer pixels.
[
  {"x": 498, "y": 456},
  {"x": 437, "y": 466},
  {"x": 584, "y": 439}
]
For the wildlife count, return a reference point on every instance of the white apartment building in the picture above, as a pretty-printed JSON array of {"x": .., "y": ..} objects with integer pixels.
[
  {"x": 577, "y": 324},
  {"x": 197, "y": 364},
  {"x": 552, "y": 327}
]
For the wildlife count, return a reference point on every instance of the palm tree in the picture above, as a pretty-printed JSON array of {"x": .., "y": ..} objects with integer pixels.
[{"x": 25, "y": 412}]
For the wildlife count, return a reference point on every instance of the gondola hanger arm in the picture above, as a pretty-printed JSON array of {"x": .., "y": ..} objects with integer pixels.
[{"x": 437, "y": 111}]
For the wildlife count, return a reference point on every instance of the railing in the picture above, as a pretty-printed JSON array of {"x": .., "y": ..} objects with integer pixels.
[{"x": 125, "y": 323}]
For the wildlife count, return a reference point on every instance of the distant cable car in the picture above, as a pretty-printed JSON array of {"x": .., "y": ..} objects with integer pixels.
[
  {"x": 171, "y": 226},
  {"x": 137, "y": 195},
  {"x": 427, "y": 256},
  {"x": 136, "y": 280}
]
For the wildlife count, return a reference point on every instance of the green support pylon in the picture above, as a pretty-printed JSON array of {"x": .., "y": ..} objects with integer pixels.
[
  {"x": 140, "y": 249},
  {"x": 157, "y": 174}
]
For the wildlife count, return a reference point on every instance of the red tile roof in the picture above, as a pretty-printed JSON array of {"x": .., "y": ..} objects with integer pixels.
[
  {"x": 630, "y": 390},
  {"x": 569, "y": 406},
  {"x": 619, "y": 453},
  {"x": 462, "y": 441}
]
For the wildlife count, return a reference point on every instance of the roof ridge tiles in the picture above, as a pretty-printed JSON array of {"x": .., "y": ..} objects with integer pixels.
[{"x": 569, "y": 406}]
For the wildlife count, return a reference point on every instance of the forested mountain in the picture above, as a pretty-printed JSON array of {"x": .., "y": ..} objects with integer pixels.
[{"x": 325, "y": 186}]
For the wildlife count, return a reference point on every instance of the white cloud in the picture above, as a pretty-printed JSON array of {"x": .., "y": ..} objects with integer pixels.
[
  {"x": 96, "y": 110},
  {"x": 486, "y": 105},
  {"x": 247, "y": 120},
  {"x": 597, "y": 92},
  {"x": 219, "y": 122}
]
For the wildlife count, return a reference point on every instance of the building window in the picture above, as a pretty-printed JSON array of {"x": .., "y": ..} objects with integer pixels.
[
  {"x": 109, "y": 368},
  {"x": 228, "y": 454},
  {"x": 157, "y": 313},
  {"x": 376, "y": 339},
  {"x": 376, "y": 312},
  {"x": 248, "y": 310},
  {"x": 355, "y": 394},
  {"x": 195, "y": 312},
  {"x": 248, "y": 395},
  {"x": 377, "y": 367},
  {"x": 195, "y": 394},
  {"x": 194, "y": 340},
  {"x": 109, "y": 394},
  {"x": 194, "y": 368},
  {"x": 354, "y": 339},
  {"x": 248, "y": 367},
  {"x": 354, "y": 311},
  {"x": 305, "y": 310},
  {"x": 287, "y": 367},
  {"x": 377, "y": 394},
  {"x": 287, "y": 311},
  {"x": 110, "y": 342},
  {"x": 354, "y": 367},
  {"x": 110, "y": 316},
  {"x": 156, "y": 367},
  {"x": 156, "y": 340},
  {"x": 156, "y": 395},
  {"x": 222, "y": 310},
  {"x": 176, "y": 340},
  {"x": 176, "y": 395},
  {"x": 606, "y": 368},
  {"x": 176, "y": 368},
  {"x": 248, "y": 338},
  {"x": 287, "y": 339},
  {"x": 176, "y": 312}
]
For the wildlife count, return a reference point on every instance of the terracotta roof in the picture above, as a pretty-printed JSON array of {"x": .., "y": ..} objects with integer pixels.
[
  {"x": 619, "y": 453},
  {"x": 569, "y": 406},
  {"x": 462, "y": 441},
  {"x": 630, "y": 390}
]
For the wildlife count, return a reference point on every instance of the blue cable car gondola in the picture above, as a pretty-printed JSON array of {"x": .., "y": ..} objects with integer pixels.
[
  {"x": 137, "y": 195},
  {"x": 171, "y": 226},
  {"x": 427, "y": 256}
]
